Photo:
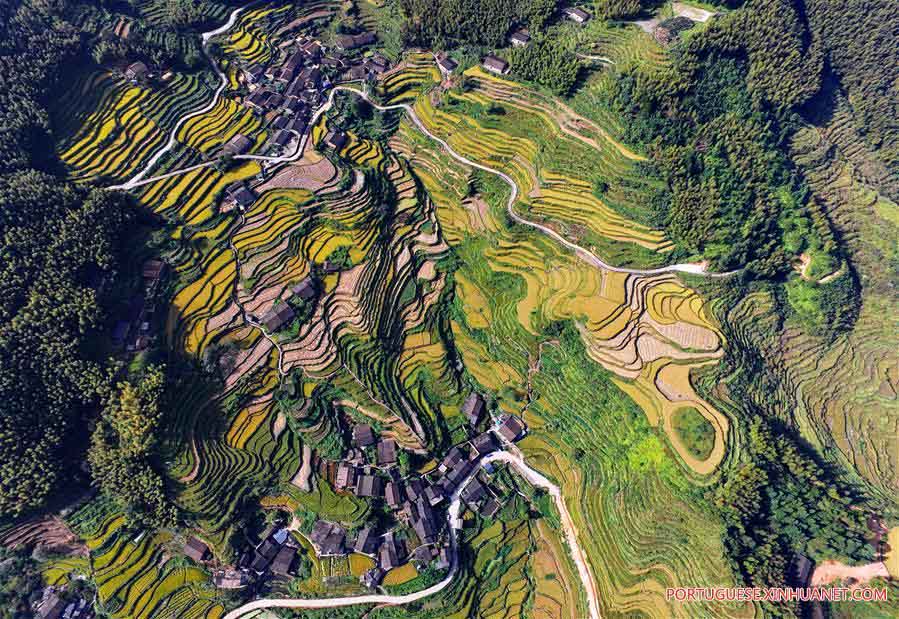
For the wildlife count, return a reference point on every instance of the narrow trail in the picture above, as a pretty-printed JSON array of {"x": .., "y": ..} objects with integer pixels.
[
  {"x": 513, "y": 458},
  {"x": 135, "y": 180},
  {"x": 603, "y": 59},
  {"x": 243, "y": 312},
  {"x": 454, "y": 520},
  {"x": 585, "y": 254}
]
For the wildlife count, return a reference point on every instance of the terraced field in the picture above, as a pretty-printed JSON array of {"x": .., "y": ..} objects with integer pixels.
[
  {"x": 136, "y": 577},
  {"x": 437, "y": 292},
  {"x": 509, "y": 295},
  {"x": 108, "y": 128},
  {"x": 841, "y": 392}
]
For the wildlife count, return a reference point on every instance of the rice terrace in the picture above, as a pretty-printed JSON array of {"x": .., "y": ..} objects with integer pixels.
[{"x": 500, "y": 309}]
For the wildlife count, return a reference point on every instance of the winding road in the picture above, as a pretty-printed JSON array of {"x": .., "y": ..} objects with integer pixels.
[
  {"x": 135, "y": 180},
  {"x": 510, "y": 455},
  {"x": 454, "y": 520},
  {"x": 585, "y": 254}
]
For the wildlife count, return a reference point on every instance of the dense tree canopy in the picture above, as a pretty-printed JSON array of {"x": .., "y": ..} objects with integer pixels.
[
  {"x": 717, "y": 122},
  {"x": 58, "y": 243},
  {"x": 123, "y": 447},
  {"x": 56, "y": 240},
  {"x": 443, "y": 23},
  {"x": 546, "y": 63},
  {"x": 782, "y": 501}
]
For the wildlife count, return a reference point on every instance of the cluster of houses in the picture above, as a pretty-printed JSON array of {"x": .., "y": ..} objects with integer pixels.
[
  {"x": 282, "y": 314},
  {"x": 289, "y": 90},
  {"x": 418, "y": 503},
  {"x": 133, "y": 329},
  {"x": 275, "y": 556},
  {"x": 53, "y": 606}
]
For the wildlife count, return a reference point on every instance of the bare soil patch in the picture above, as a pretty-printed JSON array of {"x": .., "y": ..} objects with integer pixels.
[{"x": 830, "y": 571}]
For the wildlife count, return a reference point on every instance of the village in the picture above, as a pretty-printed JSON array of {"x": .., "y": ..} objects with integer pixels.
[
  {"x": 287, "y": 93},
  {"x": 417, "y": 505}
]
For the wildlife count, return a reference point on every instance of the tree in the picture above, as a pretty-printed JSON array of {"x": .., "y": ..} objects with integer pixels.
[
  {"x": 122, "y": 447},
  {"x": 546, "y": 63}
]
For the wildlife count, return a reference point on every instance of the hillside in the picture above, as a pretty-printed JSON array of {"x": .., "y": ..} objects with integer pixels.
[{"x": 494, "y": 308}]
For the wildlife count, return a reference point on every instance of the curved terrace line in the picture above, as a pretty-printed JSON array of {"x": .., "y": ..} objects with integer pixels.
[
  {"x": 137, "y": 179},
  {"x": 585, "y": 254},
  {"x": 454, "y": 520}
]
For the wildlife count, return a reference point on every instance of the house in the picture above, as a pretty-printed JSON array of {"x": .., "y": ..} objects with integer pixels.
[
  {"x": 474, "y": 491},
  {"x": 313, "y": 49},
  {"x": 369, "y": 486},
  {"x": 451, "y": 459},
  {"x": 137, "y": 71},
  {"x": 483, "y": 444},
  {"x": 294, "y": 106},
  {"x": 443, "y": 562},
  {"x": 366, "y": 542},
  {"x": 576, "y": 14},
  {"x": 434, "y": 494},
  {"x": 373, "y": 577},
  {"x": 305, "y": 290},
  {"x": 267, "y": 549},
  {"x": 346, "y": 42},
  {"x": 277, "y": 317},
  {"x": 253, "y": 75},
  {"x": 313, "y": 79},
  {"x": 297, "y": 125},
  {"x": 256, "y": 100},
  {"x": 356, "y": 73},
  {"x": 281, "y": 139},
  {"x": 387, "y": 452},
  {"x": 377, "y": 64},
  {"x": 274, "y": 101},
  {"x": 363, "y": 435},
  {"x": 238, "y": 145},
  {"x": 473, "y": 408},
  {"x": 295, "y": 89},
  {"x": 346, "y": 476},
  {"x": 458, "y": 473},
  {"x": 230, "y": 579},
  {"x": 331, "y": 63},
  {"x": 423, "y": 523},
  {"x": 51, "y": 607},
  {"x": 489, "y": 508},
  {"x": 393, "y": 494},
  {"x": 447, "y": 64},
  {"x": 283, "y": 560},
  {"x": 240, "y": 195},
  {"x": 153, "y": 270},
  {"x": 390, "y": 553},
  {"x": 496, "y": 65},
  {"x": 519, "y": 38},
  {"x": 414, "y": 488},
  {"x": 328, "y": 538},
  {"x": 197, "y": 550},
  {"x": 259, "y": 563},
  {"x": 288, "y": 72},
  {"x": 511, "y": 429},
  {"x": 335, "y": 139},
  {"x": 423, "y": 555}
]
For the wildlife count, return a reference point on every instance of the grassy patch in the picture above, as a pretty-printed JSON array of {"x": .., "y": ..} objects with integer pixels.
[{"x": 695, "y": 431}]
